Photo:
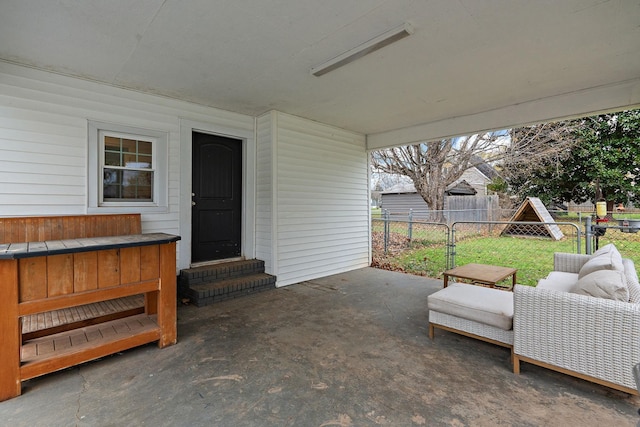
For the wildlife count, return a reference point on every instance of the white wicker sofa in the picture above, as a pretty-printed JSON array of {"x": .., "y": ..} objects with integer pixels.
[{"x": 591, "y": 337}]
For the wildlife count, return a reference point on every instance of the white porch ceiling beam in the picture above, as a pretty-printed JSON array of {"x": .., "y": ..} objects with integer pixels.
[{"x": 622, "y": 95}]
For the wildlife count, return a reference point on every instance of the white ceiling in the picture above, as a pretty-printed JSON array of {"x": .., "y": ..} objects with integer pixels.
[{"x": 465, "y": 57}]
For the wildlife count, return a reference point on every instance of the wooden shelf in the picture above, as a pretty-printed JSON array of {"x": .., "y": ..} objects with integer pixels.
[
  {"x": 62, "y": 350},
  {"x": 53, "y": 322}
]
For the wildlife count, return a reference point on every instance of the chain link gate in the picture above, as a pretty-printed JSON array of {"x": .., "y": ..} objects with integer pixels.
[
  {"x": 426, "y": 242},
  {"x": 528, "y": 246},
  {"x": 623, "y": 232}
]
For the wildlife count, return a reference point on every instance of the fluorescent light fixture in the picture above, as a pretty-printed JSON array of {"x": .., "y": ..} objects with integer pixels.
[{"x": 366, "y": 48}]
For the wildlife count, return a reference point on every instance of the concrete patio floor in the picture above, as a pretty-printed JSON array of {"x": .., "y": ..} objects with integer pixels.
[{"x": 345, "y": 350}]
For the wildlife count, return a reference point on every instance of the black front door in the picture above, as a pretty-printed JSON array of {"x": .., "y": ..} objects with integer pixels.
[{"x": 216, "y": 215}]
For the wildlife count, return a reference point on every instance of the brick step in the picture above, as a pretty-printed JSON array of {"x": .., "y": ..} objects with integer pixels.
[
  {"x": 227, "y": 270},
  {"x": 206, "y": 293}
]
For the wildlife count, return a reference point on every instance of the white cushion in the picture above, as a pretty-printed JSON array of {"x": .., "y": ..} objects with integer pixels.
[
  {"x": 609, "y": 284},
  {"x": 477, "y": 303},
  {"x": 557, "y": 285},
  {"x": 559, "y": 280},
  {"x": 606, "y": 260}
]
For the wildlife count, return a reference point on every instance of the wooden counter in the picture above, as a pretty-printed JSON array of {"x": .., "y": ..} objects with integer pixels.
[{"x": 42, "y": 276}]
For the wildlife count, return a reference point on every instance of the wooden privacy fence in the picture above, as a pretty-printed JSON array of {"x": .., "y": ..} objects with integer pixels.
[
  {"x": 55, "y": 263},
  {"x": 411, "y": 207}
]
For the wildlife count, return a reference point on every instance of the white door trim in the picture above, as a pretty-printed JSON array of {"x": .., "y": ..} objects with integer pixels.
[{"x": 248, "y": 184}]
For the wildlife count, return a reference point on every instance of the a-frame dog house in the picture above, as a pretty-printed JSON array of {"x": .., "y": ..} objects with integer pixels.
[{"x": 533, "y": 210}]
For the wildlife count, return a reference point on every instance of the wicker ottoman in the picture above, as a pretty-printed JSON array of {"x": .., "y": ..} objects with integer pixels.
[{"x": 474, "y": 311}]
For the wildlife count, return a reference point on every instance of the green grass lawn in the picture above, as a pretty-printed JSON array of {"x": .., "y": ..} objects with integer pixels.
[{"x": 532, "y": 257}]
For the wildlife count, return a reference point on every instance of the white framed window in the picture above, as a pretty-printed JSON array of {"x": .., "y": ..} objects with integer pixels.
[{"x": 127, "y": 168}]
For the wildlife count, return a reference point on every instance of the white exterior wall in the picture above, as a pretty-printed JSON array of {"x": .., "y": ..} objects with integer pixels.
[
  {"x": 319, "y": 195},
  {"x": 44, "y": 148},
  {"x": 264, "y": 191},
  {"x": 306, "y": 191}
]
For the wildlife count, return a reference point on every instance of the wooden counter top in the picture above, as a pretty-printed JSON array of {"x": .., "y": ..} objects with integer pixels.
[{"x": 56, "y": 247}]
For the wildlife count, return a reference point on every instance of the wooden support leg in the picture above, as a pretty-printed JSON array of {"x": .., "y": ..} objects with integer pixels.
[
  {"x": 167, "y": 298},
  {"x": 516, "y": 363},
  {"x": 151, "y": 302},
  {"x": 150, "y": 270},
  {"x": 431, "y": 331},
  {"x": 10, "y": 383}
]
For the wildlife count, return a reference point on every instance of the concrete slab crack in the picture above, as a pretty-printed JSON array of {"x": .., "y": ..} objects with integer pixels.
[{"x": 84, "y": 388}]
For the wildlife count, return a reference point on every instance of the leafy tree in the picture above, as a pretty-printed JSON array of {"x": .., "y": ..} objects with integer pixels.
[
  {"x": 608, "y": 156},
  {"x": 601, "y": 151}
]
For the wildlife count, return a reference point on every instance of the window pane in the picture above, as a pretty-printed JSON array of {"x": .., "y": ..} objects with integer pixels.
[
  {"x": 111, "y": 143},
  {"x": 129, "y": 160},
  {"x": 129, "y": 145},
  {"x": 112, "y": 184},
  {"x": 112, "y": 159},
  {"x": 144, "y": 147},
  {"x": 112, "y": 151},
  {"x": 144, "y": 162},
  {"x": 137, "y": 185},
  {"x": 128, "y": 185}
]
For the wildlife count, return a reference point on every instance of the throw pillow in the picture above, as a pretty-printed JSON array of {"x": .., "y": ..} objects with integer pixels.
[
  {"x": 606, "y": 249},
  {"x": 609, "y": 260},
  {"x": 609, "y": 284}
]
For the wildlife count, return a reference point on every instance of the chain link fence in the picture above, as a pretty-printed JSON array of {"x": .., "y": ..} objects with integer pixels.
[
  {"x": 527, "y": 246},
  {"x": 413, "y": 246},
  {"x": 623, "y": 231},
  {"x": 428, "y": 248}
]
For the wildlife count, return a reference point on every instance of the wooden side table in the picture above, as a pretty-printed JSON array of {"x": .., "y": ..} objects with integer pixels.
[{"x": 482, "y": 273}]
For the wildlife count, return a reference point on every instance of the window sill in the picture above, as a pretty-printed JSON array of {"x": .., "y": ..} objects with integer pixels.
[{"x": 127, "y": 209}]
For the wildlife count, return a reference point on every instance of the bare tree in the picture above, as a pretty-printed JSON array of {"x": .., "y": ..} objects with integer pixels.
[
  {"x": 546, "y": 144},
  {"x": 433, "y": 166},
  {"x": 536, "y": 154}
]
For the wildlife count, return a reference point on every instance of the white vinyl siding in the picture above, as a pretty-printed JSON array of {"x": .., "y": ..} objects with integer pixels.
[
  {"x": 307, "y": 195},
  {"x": 320, "y": 199},
  {"x": 41, "y": 169},
  {"x": 44, "y": 132},
  {"x": 264, "y": 193}
]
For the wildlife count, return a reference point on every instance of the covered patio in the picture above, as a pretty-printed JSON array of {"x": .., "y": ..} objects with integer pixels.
[
  {"x": 337, "y": 343},
  {"x": 345, "y": 350}
]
